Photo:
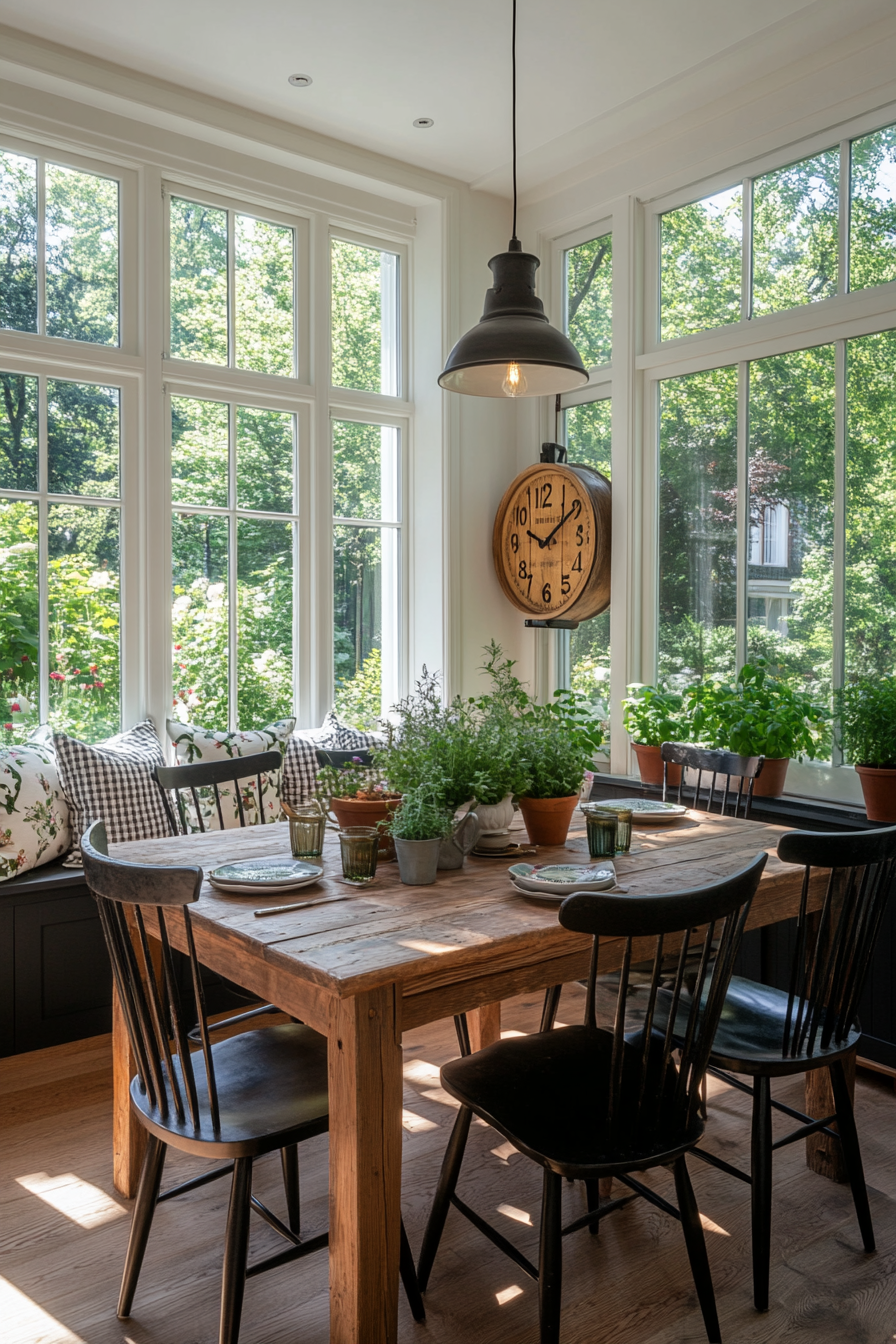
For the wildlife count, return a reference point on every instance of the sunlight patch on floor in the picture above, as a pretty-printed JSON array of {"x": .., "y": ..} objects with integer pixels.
[
  {"x": 419, "y": 1071},
  {"x": 26, "y": 1320},
  {"x": 78, "y": 1200},
  {"x": 505, "y": 1152},
  {"x": 416, "y": 1124},
  {"x": 508, "y": 1294},
  {"x": 439, "y": 1094},
  {"x": 518, "y": 1215},
  {"x": 505, "y": 1035},
  {"x": 710, "y": 1226}
]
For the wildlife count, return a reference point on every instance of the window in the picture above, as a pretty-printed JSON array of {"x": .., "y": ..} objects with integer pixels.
[
  {"x": 233, "y": 486},
  {"x": 588, "y": 306},
  {"x": 366, "y": 540},
  {"x": 60, "y": 511},
  {"x": 702, "y": 260},
  {"x": 232, "y": 288},
  {"x": 588, "y": 441},
  {"x": 59, "y": 250},
  {"x": 365, "y": 318}
]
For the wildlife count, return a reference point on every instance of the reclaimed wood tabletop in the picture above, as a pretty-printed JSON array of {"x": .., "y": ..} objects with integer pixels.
[{"x": 392, "y": 957}]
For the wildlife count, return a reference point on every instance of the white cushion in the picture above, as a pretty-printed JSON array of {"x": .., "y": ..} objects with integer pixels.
[
  {"x": 193, "y": 744},
  {"x": 35, "y": 823},
  {"x": 112, "y": 782}
]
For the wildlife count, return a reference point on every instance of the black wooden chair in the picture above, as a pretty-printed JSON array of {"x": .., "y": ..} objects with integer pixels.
[
  {"x": 720, "y": 767},
  {"x": 590, "y": 1102},
  {"x": 181, "y": 785},
  {"x": 237, "y": 1099},
  {"x": 770, "y": 1033}
]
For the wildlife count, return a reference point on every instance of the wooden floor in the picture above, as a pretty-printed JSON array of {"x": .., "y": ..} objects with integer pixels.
[{"x": 63, "y": 1229}]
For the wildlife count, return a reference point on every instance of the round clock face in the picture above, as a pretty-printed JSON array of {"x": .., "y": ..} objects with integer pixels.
[{"x": 546, "y": 540}]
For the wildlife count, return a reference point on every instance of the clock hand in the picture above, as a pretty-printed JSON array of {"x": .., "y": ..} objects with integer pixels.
[
  {"x": 541, "y": 543},
  {"x": 564, "y": 519}
]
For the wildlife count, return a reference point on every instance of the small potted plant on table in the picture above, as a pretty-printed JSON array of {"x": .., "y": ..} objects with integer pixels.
[
  {"x": 652, "y": 717},
  {"x": 356, "y": 796},
  {"x": 866, "y": 709},
  {"x": 418, "y": 828},
  {"x": 760, "y": 716},
  {"x": 556, "y": 743}
]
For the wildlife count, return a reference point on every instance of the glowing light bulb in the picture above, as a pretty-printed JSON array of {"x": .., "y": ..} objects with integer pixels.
[{"x": 514, "y": 384}]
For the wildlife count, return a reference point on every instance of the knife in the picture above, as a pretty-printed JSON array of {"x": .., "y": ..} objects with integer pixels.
[{"x": 300, "y": 905}]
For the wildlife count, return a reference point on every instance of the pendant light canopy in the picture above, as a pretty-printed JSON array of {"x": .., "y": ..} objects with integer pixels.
[{"x": 513, "y": 351}]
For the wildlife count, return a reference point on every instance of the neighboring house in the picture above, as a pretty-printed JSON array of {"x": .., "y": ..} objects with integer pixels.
[{"x": 772, "y": 566}]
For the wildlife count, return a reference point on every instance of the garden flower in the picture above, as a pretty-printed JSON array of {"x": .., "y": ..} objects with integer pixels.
[
  {"x": 57, "y": 676},
  {"x": 15, "y": 708},
  {"x": 93, "y": 667},
  {"x": 177, "y": 647},
  {"x": 24, "y": 657},
  {"x": 8, "y": 727}
]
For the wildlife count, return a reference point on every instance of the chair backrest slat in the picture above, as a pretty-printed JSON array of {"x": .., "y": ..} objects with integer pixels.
[
  {"x": 186, "y": 781},
  {"x": 834, "y": 946},
  {"x": 156, "y": 1008},
  {"x": 719, "y": 765},
  {"x": 647, "y": 1089}
]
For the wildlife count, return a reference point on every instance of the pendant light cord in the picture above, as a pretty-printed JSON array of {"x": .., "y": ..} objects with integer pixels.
[{"x": 513, "y": 111}]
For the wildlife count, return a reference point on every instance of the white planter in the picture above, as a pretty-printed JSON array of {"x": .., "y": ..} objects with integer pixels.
[{"x": 495, "y": 819}]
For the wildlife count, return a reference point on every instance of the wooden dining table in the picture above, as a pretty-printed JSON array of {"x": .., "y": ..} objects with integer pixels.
[{"x": 390, "y": 958}]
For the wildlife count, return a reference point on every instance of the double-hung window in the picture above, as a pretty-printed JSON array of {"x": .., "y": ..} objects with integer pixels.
[{"x": 65, "y": 423}]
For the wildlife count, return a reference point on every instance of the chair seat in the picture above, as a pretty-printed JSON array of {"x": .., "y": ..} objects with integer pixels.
[
  {"x": 548, "y": 1094},
  {"x": 749, "y": 1035},
  {"x": 272, "y": 1091}
]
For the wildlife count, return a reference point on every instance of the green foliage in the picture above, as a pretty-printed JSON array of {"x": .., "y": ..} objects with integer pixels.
[
  {"x": 866, "y": 711},
  {"x": 432, "y": 744},
  {"x": 18, "y": 242},
  {"x": 701, "y": 264},
  {"x": 351, "y": 780},
  {"x": 356, "y": 279},
  {"x": 652, "y": 716},
  {"x": 795, "y": 234},
  {"x": 872, "y": 244},
  {"x": 758, "y": 716},
  {"x": 589, "y": 299},
  {"x": 81, "y": 255},
  {"x": 358, "y": 700},
  {"x": 422, "y": 815}
]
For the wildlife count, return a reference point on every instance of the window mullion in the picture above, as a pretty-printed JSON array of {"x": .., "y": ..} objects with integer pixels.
[
  {"x": 41, "y": 249},
  {"x": 746, "y": 263},
  {"x": 839, "y": 604},
  {"x": 231, "y": 289},
  {"x": 43, "y": 619},
  {"x": 232, "y": 624},
  {"x": 844, "y": 217},
  {"x": 743, "y": 512}
]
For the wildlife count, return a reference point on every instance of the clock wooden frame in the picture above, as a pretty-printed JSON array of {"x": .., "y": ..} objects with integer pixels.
[{"x": 551, "y": 542}]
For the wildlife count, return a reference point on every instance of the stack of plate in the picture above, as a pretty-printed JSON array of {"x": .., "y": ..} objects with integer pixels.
[
  {"x": 254, "y": 876},
  {"x": 556, "y": 881},
  {"x": 644, "y": 810}
]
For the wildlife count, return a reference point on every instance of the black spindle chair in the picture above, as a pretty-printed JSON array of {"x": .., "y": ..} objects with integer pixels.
[
  {"x": 720, "y": 767},
  {"x": 770, "y": 1033},
  {"x": 237, "y": 1099},
  {"x": 184, "y": 790},
  {"x": 591, "y": 1102}
]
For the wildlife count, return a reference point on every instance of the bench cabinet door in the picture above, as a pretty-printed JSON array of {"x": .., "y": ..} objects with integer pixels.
[{"x": 63, "y": 980}]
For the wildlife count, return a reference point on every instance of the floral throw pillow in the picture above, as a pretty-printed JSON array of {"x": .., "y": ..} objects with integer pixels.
[
  {"x": 193, "y": 744},
  {"x": 35, "y": 825}
]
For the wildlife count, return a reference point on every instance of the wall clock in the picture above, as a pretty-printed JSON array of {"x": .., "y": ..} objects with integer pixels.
[{"x": 551, "y": 542}]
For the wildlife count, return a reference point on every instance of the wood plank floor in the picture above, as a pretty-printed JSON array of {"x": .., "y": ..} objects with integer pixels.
[{"x": 63, "y": 1229}]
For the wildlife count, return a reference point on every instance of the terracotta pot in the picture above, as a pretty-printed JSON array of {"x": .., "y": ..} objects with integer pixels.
[
  {"x": 367, "y": 812},
  {"x": 547, "y": 819},
  {"x": 770, "y": 783},
  {"x": 650, "y": 766},
  {"x": 879, "y": 788}
]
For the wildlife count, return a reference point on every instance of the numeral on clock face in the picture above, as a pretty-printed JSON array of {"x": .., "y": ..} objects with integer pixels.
[{"x": 547, "y": 541}]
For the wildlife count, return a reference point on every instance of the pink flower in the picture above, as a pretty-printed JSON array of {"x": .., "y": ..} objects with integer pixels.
[
  {"x": 99, "y": 685},
  {"x": 57, "y": 676},
  {"x": 24, "y": 657},
  {"x": 93, "y": 667},
  {"x": 77, "y": 672},
  {"x": 8, "y": 727},
  {"x": 177, "y": 648},
  {"x": 16, "y": 708}
]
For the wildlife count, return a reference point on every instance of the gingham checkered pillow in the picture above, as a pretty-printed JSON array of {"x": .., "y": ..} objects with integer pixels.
[
  {"x": 299, "y": 771},
  {"x": 342, "y": 737},
  {"x": 112, "y": 782}
]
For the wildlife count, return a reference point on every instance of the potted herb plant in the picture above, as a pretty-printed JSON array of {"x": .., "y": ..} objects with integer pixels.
[
  {"x": 356, "y": 795},
  {"x": 651, "y": 717},
  {"x": 556, "y": 744},
  {"x": 418, "y": 828},
  {"x": 759, "y": 715},
  {"x": 866, "y": 709}
]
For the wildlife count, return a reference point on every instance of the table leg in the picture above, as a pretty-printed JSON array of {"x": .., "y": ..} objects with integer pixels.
[
  {"x": 128, "y": 1135},
  {"x": 824, "y": 1154},
  {"x": 484, "y": 1025},
  {"x": 365, "y": 1168}
]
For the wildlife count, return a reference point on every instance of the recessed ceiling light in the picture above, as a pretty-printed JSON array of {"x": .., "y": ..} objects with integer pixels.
[
  {"x": 424, "y": 123},
  {"x": 301, "y": 81}
]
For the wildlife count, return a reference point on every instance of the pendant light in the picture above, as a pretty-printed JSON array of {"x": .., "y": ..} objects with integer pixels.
[{"x": 513, "y": 351}]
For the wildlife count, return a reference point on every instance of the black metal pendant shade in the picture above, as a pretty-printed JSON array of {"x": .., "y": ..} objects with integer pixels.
[{"x": 513, "y": 351}]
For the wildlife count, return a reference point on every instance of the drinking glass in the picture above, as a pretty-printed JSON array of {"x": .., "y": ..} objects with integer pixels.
[
  {"x": 623, "y": 829},
  {"x": 602, "y": 827},
  {"x": 306, "y": 832},
  {"x": 359, "y": 845}
]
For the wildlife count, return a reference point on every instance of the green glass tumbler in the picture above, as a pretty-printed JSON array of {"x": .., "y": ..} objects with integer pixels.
[
  {"x": 358, "y": 846},
  {"x": 306, "y": 833},
  {"x": 601, "y": 827},
  {"x": 623, "y": 829}
]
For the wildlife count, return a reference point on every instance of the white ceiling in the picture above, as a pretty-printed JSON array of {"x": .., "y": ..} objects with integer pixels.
[{"x": 378, "y": 64}]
